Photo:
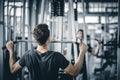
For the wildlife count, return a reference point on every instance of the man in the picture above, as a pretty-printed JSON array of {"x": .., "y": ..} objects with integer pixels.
[
  {"x": 80, "y": 37},
  {"x": 42, "y": 63}
]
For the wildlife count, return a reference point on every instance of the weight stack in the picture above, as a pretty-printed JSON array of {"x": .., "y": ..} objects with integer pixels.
[{"x": 57, "y": 8}]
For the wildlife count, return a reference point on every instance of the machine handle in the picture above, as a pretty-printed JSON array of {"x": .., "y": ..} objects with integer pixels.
[{"x": 4, "y": 47}]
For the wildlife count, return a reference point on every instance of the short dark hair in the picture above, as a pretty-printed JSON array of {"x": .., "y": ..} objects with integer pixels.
[
  {"x": 80, "y": 30},
  {"x": 41, "y": 33}
]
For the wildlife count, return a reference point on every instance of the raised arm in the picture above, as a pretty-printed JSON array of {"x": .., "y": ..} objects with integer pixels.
[
  {"x": 75, "y": 69},
  {"x": 14, "y": 65},
  {"x": 96, "y": 50}
]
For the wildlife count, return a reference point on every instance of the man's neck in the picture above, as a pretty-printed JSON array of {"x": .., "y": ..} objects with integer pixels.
[{"x": 42, "y": 48}]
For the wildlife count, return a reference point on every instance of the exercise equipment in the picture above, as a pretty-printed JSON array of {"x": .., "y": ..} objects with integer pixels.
[
  {"x": 18, "y": 41},
  {"x": 110, "y": 57}
]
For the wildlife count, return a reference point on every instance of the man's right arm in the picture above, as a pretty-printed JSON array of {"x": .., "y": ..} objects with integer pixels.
[
  {"x": 96, "y": 50},
  {"x": 75, "y": 69},
  {"x": 14, "y": 65}
]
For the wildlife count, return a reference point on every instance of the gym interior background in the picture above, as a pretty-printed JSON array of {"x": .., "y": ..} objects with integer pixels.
[{"x": 98, "y": 18}]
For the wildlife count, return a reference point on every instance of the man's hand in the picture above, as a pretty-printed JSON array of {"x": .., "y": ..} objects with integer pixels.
[
  {"x": 83, "y": 47},
  {"x": 10, "y": 46},
  {"x": 99, "y": 42},
  {"x": 14, "y": 65},
  {"x": 95, "y": 51}
]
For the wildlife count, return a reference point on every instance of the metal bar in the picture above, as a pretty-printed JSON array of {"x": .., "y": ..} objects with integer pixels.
[
  {"x": 42, "y": 11},
  {"x": 8, "y": 21},
  {"x": 72, "y": 42},
  {"x": 106, "y": 1},
  {"x": 2, "y": 31},
  {"x": 71, "y": 19},
  {"x": 33, "y": 14},
  {"x": 23, "y": 18},
  {"x": 110, "y": 44},
  {"x": 29, "y": 25},
  {"x": 118, "y": 24},
  {"x": 11, "y": 5},
  {"x": 105, "y": 27},
  {"x": 118, "y": 41},
  {"x": 14, "y": 24},
  {"x": 62, "y": 42},
  {"x": 29, "y": 41},
  {"x": 74, "y": 53},
  {"x": 99, "y": 14},
  {"x": 71, "y": 30},
  {"x": 100, "y": 1},
  {"x": 50, "y": 42},
  {"x": 60, "y": 31},
  {"x": 10, "y": 34},
  {"x": 87, "y": 75},
  {"x": 23, "y": 47},
  {"x": 46, "y": 13}
]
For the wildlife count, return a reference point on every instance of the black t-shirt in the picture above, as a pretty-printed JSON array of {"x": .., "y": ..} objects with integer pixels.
[{"x": 43, "y": 66}]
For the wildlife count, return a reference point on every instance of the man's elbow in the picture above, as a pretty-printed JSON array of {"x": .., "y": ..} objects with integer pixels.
[
  {"x": 74, "y": 74},
  {"x": 12, "y": 70},
  {"x": 72, "y": 70}
]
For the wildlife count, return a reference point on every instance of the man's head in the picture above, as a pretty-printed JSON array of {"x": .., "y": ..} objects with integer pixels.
[
  {"x": 80, "y": 34},
  {"x": 41, "y": 33}
]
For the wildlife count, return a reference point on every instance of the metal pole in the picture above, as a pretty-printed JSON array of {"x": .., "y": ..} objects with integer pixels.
[
  {"x": 75, "y": 22},
  {"x": 42, "y": 11},
  {"x": 46, "y": 12},
  {"x": 105, "y": 27},
  {"x": 57, "y": 35},
  {"x": 85, "y": 39},
  {"x": 33, "y": 13},
  {"x": 9, "y": 30},
  {"x": 71, "y": 19},
  {"x": 14, "y": 20},
  {"x": 23, "y": 33},
  {"x": 2, "y": 31},
  {"x": 71, "y": 30},
  {"x": 118, "y": 41}
]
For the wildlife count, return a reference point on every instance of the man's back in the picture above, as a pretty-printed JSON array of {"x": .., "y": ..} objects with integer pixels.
[{"x": 43, "y": 66}]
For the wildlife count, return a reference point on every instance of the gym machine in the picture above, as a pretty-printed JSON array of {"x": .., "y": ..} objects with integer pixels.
[{"x": 109, "y": 50}]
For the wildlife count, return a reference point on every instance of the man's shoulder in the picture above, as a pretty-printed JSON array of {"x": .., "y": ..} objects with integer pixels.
[
  {"x": 55, "y": 53},
  {"x": 29, "y": 52},
  {"x": 32, "y": 53}
]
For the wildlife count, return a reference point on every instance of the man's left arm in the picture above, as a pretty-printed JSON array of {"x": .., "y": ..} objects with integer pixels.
[
  {"x": 14, "y": 65},
  {"x": 96, "y": 50}
]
